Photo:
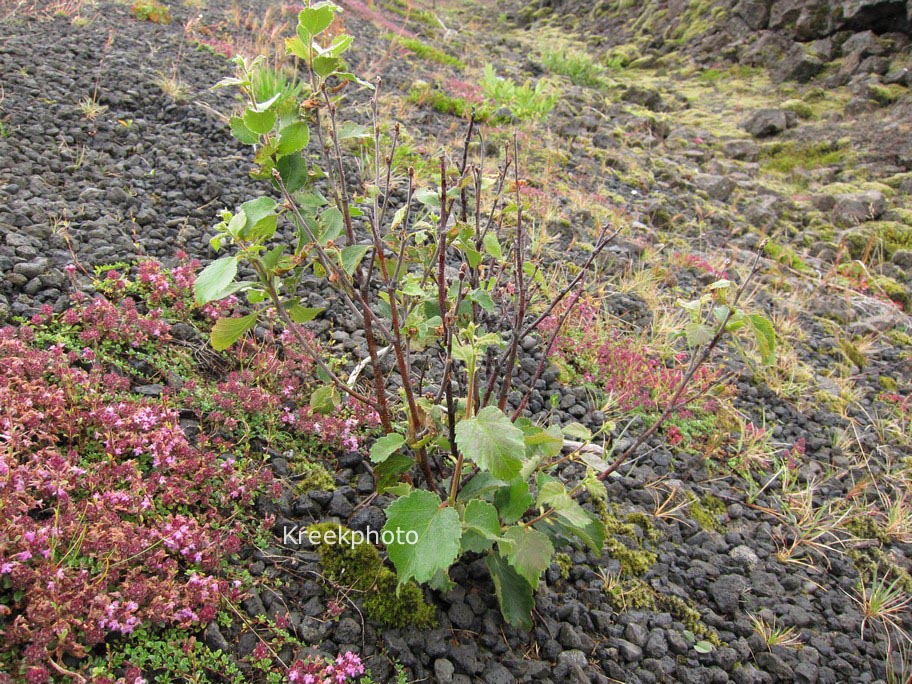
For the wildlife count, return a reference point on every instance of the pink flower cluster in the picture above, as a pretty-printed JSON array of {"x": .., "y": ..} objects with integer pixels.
[
  {"x": 627, "y": 371},
  {"x": 109, "y": 517},
  {"x": 346, "y": 667}
]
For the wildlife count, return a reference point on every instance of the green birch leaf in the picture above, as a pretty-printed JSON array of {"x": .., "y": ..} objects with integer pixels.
[
  {"x": 214, "y": 280},
  {"x": 577, "y": 431},
  {"x": 240, "y": 131},
  {"x": 554, "y": 494},
  {"x": 227, "y": 331},
  {"x": 312, "y": 21},
  {"x": 385, "y": 447},
  {"x": 528, "y": 551},
  {"x": 704, "y": 647},
  {"x": 293, "y": 138},
  {"x": 513, "y": 501},
  {"x": 325, "y": 400},
  {"x": 492, "y": 245},
  {"x": 479, "y": 486},
  {"x": 294, "y": 172},
  {"x": 324, "y": 65},
  {"x": 483, "y": 299},
  {"x": 304, "y": 314},
  {"x": 698, "y": 334},
  {"x": 389, "y": 472},
  {"x": 514, "y": 595},
  {"x": 435, "y": 531},
  {"x": 492, "y": 442},
  {"x": 352, "y": 256},
  {"x": 482, "y": 527},
  {"x": 259, "y": 122}
]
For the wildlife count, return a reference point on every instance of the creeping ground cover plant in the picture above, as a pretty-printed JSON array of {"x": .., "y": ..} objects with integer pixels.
[{"x": 440, "y": 280}]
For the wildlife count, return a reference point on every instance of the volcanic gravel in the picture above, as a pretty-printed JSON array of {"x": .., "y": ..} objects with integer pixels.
[{"x": 148, "y": 175}]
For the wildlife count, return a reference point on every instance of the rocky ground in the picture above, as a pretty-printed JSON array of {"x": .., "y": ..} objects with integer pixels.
[{"x": 701, "y": 128}]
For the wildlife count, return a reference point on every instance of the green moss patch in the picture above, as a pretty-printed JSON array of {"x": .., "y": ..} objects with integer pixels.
[{"x": 360, "y": 567}]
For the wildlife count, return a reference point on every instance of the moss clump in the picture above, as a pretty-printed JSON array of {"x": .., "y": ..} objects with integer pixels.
[
  {"x": 311, "y": 476},
  {"x": 885, "y": 94},
  {"x": 900, "y": 338},
  {"x": 886, "y": 237},
  {"x": 563, "y": 562},
  {"x": 785, "y": 157},
  {"x": 624, "y": 544},
  {"x": 637, "y": 594},
  {"x": 892, "y": 288},
  {"x": 707, "y": 513},
  {"x": 866, "y": 527},
  {"x": 887, "y": 384},
  {"x": 872, "y": 562},
  {"x": 853, "y": 354},
  {"x": 360, "y": 567},
  {"x": 800, "y": 107}
]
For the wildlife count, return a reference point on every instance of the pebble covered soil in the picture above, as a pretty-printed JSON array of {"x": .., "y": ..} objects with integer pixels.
[{"x": 745, "y": 545}]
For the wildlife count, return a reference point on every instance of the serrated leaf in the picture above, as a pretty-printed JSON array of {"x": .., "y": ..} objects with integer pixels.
[
  {"x": 240, "y": 131},
  {"x": 577, "y": 431},
  {"x": 227, "y": 331},
  {"x": 698, "y": 334},
  {"x": 719, "y": 285},
  {"x": 428, "y": 198},
  {"x": 349, "y": 130},
  {"x": 294, "y": 172},
  {"x": 312, "y": 21},
  {"x": 483, "y": 299},
  {"x": 554, "y": 494},
  {"x": 513, "y": 501},
  {"x": 258, "y": 209},
  {"x": 479, "y": 486},
  {"x": 332, "y": 223},
  {"x": 259, "y": 122},
  {"x": 389, "y": 472},
  {"x": 401, "y": 489},
  {"x": 256, "y": 296},
  {"x": 385, "y": 447},
  {"x": 340, "y": 44},
  {"x": 229, "y": 82},
  {"x": 304, "y": 314},
  {"x": 482, "y": 527},
  {"x": 435, "y": 531},
  {"x": 529, "y": 551},
  {"x": 295, "y": 46},
  {"x": 325, "y": 65},
  {"x": 293, "y": 138},
  {"x": 398, "y": 218},
  {"x": 214, "y": 280},
  {"x": 325, "y": 399},
  {"x": 492, "y": 245},
  {"x": 765, "y": 336},
  {"x": 492, "y": 442},
  {"x": 540, "y": 444},
  {"x": 514, "y": 595},
  {"x": 592, "y": 534},
  {"x": 352, "y": 256},
  {"x": 272, "y": 257}
]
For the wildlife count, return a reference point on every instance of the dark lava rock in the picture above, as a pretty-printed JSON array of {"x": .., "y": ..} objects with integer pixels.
[
  {"x": 798, "y": 65},
  {"x": 766, "y": 122},
  {"x": 726, "y": 592}
]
